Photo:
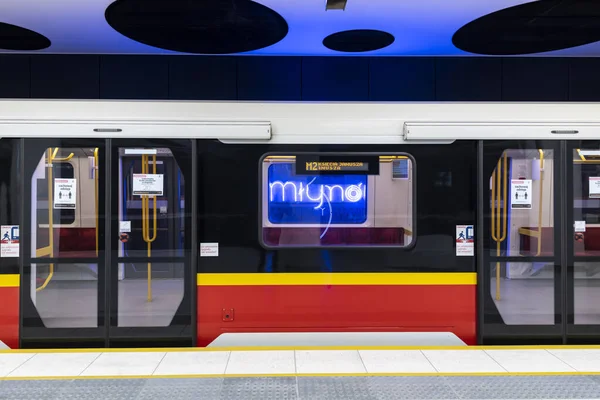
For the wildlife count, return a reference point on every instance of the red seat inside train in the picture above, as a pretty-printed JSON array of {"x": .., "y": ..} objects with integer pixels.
[
  {"x": 70, "y": 242},
  {"x": 339, "y": 236},
  {"x": 589, "y": 246}
]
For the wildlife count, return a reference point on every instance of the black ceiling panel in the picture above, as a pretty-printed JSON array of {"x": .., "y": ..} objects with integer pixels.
[
  {"x": 358, "y": 40},
  {"x": 199, "y": 26},
  {"x": 534, "y": 27},
  {"x": 14, "y": 37}
]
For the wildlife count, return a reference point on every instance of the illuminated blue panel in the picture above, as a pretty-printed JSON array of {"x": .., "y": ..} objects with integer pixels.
[{"x": 323, "y": 199}]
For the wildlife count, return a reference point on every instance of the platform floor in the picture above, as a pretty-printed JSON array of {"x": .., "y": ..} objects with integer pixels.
[{"x": 374, "y": 373}]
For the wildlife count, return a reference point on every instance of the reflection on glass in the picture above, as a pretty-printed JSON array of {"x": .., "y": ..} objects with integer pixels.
[
  {"x": 64, "y": 194},
  {"x": 65, "y": 295},
  {"x": 587, "y": 293},
  {"x": 338, "y": 207},
  {"x": 527, "y": 294},
  {"x": 522, "y": 204},
  {"x": 135, "y": 308}
]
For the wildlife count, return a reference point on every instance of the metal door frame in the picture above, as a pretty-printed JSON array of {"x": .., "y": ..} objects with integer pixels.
[
  {"x": 104, "y": 333},
  {"x": 495, "y": 333},
  {"x": 147, "y": 336}
]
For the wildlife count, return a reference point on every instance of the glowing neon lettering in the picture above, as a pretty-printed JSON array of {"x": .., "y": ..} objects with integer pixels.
[
  {"x": 309, "y": 194},
  {"x": 283, "y": 185}
]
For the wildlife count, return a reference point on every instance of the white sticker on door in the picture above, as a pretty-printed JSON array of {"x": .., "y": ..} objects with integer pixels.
[
  {"x": 124, "y": 226},
  {"x": 594, "y": 187},
  {"x": 465, "y": 240},
  {"x": 148, "y": 184},
  {"x": 9, "y": 242},
  {"x": 209, "y": 249},
  {"x": 65, "y": 193},
  {"x": 579, "y": 226},
  {"x": 520, "y": 190}
]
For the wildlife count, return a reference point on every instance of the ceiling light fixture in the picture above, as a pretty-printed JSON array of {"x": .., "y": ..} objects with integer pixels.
[{"x": 336, "y": 5}]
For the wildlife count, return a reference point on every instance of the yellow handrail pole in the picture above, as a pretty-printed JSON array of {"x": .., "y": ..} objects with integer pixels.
[
  {"x": 50, "y": 218},
  {"x": 153, "y": 238},
  {"x": 146, "y": 220},
  {"x": 96, "y": 170},
  {"x": 541, "y": 202},
  {"x": 499, "y": 224},
  {"x": 498, "y": 230},
  {"x": 64, "y": 159}
]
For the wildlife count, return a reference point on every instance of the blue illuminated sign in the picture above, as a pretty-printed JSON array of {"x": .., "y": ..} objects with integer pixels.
[{"x": 324, "y": 199}]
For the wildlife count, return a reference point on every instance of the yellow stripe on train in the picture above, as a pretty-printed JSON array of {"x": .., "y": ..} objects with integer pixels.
[
  {"x": 280, "y": 279},
  {"x": 9, "y": 280}
]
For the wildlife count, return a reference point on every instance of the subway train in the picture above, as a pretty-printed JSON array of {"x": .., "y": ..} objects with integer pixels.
[{"x": 154, "y": 224}]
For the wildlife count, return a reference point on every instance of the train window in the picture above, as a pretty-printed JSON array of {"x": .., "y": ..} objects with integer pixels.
[
  {"x": 64, "y": 220},
  {"x": 325, "y": 199},
  {"x": 521, "y": 195}
]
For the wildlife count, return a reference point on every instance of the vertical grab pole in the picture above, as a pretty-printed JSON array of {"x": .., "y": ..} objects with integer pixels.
[
  {"x": 146, "y": 221},
  {"x": 541, "y": 202},
  {"x": 144, "y": 198},
  {"x": 51, "y": 155},
  {"x": 96, "y": 169},
  {"x": 154, "y": 233},
  {"x": 499, "y": 224}
]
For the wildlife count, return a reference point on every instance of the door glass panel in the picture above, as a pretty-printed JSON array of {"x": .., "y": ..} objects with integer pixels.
[
  {"x": 522, "y": 204},
  {"x": 587, "y": 293},
  {"x": 64, "y": 195},
  {"x": 527, "y": 297},
  {"x": 586, "y": 237},
  {"x": 521, "y": 195},
  {"x": 154, "y": 302},
  {"x": 64, "y": 202},
  {"x": 151, "y": 225},
  {"x": 65, "y": 295}
]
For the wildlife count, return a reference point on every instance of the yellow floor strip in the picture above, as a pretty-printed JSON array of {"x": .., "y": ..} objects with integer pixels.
[
  {"x": 192, "y": 376},
  {"x": 266, "y": 348}
]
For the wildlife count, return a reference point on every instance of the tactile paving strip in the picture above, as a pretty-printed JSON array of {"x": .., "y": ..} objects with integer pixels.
[{"x": 313, "y": 388}]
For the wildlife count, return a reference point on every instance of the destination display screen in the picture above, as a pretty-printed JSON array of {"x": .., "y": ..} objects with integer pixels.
[{"x": 336, "y": 165}]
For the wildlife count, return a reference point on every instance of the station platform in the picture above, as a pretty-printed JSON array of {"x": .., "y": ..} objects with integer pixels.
[{"x": 560, "y": 372}]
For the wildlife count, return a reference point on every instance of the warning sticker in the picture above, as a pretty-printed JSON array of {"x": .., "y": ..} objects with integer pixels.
[
  {"x": 65, "y": 193},
  {"x": 520, "y": 190},
  {"x": 465, "y": 241},
  {"x": 148, "y": 184},
  {"x": 209, "y": 249},
  {"x": 594, "y": 184},
  {"x": 9, "y": 244}
]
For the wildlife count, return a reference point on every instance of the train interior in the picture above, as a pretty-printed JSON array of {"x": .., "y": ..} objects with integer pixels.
[
  {"x": 522, "y": 196},
  {"x": 64, "y": 224}
]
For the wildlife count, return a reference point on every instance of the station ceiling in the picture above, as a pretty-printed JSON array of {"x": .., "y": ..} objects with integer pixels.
[{"x": 303, "y": 27}]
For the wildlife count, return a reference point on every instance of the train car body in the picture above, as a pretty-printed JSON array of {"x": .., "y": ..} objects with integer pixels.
[{"x": 175, "y": 223}]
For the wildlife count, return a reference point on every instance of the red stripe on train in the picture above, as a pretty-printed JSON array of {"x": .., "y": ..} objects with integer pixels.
[
  {"x": 352, "y": 308},
  {"x": 9, "y": 316}
]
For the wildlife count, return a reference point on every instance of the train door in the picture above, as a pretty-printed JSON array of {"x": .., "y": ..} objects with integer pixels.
[
  {"x": 583, "y": 241},
  {"x": 540, "y": 253},
  {"x": 107, "y": 260}
]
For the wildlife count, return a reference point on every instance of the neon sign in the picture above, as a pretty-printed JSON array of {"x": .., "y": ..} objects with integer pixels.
[
  {"x": 324, "y": 199},
  {"x": 300, "y": 192}
]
